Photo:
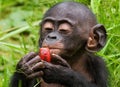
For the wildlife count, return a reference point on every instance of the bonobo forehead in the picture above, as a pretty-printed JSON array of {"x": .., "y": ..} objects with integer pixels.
[{"x": 76, "y": 12}]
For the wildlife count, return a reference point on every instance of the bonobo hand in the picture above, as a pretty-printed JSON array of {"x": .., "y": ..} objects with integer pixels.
[{"x": 32, "y": 66}]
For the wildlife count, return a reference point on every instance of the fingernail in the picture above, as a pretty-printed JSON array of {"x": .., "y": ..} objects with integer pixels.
[{"x": 53, "y": 54}]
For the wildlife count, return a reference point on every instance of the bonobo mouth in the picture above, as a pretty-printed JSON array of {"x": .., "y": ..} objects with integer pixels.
[
  {"x": 55, "y": 51},
  {"x": 57, "y": 48}
]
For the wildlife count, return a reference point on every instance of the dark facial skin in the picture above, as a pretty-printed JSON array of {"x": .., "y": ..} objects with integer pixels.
[
  {"x": 58, "y": 37},
  {"x": 72, "y": 34}
]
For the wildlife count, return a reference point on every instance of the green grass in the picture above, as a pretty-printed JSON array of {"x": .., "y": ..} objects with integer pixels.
[{"x": 19, "y": 27}]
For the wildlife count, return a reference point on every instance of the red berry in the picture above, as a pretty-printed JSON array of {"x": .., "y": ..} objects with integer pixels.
[{"x": 45, "y": 54}]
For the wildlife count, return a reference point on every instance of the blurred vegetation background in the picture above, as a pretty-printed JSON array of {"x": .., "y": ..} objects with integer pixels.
[{"x": 19, "y": 33}]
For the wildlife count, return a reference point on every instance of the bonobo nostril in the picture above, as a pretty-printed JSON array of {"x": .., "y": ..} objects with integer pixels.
[{"x": 52, "y": 37}]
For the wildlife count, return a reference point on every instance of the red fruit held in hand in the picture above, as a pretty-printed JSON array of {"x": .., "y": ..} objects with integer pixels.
[{"x": 45, "y": 54}]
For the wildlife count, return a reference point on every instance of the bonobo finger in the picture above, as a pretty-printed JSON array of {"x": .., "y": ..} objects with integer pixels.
[
  {"x": 59, "y": 60},
  {"x": 33, "y": 61},
  {"x": 25, "y": 59},
  {"x": 37, "y": 66},
  {"x": 35, "y": 75},
  {"x": 32, "y": 69},
  {"x": 29, "y": 56},
  {"x": 26, "y": 69}
]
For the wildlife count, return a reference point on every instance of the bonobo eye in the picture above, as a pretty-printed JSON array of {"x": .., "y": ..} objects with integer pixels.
[
  {"x": 65, "y": 28},
  {"x": 48, "y": 27}
]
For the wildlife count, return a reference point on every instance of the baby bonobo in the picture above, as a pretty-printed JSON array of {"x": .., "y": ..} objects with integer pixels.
[{"x": 71, "y": 33}]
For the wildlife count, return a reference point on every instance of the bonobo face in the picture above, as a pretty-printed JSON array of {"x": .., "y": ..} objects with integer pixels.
[
  {"x": 61, "y": 36},
  {"x": 66, "y": 27}
]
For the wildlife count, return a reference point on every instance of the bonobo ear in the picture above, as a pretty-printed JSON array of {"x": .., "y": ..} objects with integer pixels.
[{"x": 97, "y": 38}]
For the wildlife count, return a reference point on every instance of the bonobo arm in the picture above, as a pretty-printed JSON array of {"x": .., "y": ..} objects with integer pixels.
[
  {"x": 57, "y": 72},
  {"x": 20, "y": 80},
  {"x": 68, "y": 77},
  {"x": 65, "y": 76},
  {"x": 31, "y": 67}
]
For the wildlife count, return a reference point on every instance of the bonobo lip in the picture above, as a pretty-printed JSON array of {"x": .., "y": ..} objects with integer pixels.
[
  {"x": 53, "y": 50},
  {"x": 50, "y": 47}
]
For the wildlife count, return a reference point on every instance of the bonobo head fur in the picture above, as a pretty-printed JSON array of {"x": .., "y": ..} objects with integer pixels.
[{"x": 76, "y": 12}]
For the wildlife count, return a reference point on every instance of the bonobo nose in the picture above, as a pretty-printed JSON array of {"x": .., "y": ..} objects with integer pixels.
[{"x": 53, "y": 37}]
